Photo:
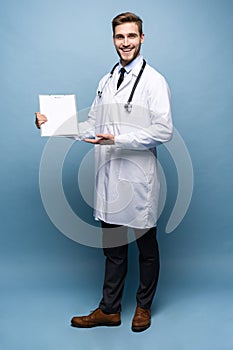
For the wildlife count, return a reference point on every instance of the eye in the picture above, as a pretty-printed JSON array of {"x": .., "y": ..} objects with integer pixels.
[
  {"x": 119, "y": 37},
  {"x": 132, "y": 36}
]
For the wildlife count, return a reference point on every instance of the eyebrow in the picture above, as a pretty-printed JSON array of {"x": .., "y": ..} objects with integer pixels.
[{"x": 122, "y": 35}]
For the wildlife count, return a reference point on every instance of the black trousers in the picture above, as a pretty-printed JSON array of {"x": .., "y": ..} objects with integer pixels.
[{"x": 116, "y": 259}]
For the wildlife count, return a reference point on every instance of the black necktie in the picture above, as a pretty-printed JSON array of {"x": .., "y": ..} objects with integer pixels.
[{"x": 121, "y": 77}]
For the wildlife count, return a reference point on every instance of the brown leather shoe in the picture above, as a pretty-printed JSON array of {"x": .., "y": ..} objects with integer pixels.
[
  {"x": 141, "y": 320},
  {"x": 95, "y": 319}
]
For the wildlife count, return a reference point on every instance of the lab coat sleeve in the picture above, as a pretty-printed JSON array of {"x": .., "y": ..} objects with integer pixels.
[
  {"x": 161, "y": 127},
  {"x": 87, "y": 128}
]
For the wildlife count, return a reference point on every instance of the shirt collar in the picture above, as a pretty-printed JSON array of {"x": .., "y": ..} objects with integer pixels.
[{"x": 131, "y": 65}]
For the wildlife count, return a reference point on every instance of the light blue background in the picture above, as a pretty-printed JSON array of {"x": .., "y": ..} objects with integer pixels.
[{"x": 62, "y": 46}]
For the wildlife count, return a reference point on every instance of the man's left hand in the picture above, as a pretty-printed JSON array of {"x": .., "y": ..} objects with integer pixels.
[{"x": 102, "y": 139}]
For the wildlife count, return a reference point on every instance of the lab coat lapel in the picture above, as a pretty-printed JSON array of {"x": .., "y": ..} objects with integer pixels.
[{"x": 125, "y": 82}]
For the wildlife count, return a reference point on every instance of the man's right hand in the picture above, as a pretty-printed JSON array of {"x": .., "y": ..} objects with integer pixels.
[{"x": 40, "y": 119}]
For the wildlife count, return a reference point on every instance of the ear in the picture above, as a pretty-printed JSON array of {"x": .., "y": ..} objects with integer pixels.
[{"x": 142, "y": 38}]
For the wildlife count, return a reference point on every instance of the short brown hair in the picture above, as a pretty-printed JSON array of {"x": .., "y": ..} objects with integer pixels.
[{"x": 127, "y": 17}]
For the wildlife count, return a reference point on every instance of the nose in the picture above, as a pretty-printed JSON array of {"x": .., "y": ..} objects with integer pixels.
[{"x": 126, "y": 41}]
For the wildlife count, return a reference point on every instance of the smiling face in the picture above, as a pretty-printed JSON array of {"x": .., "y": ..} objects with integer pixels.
[{"x": 127, "y": 41}]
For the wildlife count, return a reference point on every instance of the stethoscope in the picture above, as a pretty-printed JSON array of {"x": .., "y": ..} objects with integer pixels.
[{"x": 128, "y": 105}]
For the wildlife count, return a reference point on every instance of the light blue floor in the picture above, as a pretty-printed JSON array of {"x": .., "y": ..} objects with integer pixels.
[{"x": 36, "y": 309}]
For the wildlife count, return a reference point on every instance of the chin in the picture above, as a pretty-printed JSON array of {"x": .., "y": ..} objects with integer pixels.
[{"x": 127, "y": 60}]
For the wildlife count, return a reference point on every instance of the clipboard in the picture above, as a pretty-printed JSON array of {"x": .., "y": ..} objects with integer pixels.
[{"x": 62, "y": 115}]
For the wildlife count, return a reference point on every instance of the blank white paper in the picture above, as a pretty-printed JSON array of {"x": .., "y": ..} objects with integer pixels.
[{"x": 61, "y": 112}]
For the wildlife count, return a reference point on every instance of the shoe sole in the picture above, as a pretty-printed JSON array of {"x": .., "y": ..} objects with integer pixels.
[
  {"x": 140, "y": 329},
  {"x": 97, "y": 325}
]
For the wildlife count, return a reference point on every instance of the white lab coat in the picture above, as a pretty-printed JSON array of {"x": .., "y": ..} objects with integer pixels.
[{"x": 126, "y": 176}]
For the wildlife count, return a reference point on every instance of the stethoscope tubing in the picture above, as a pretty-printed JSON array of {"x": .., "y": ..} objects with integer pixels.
[{"x": 128, "y": 105}]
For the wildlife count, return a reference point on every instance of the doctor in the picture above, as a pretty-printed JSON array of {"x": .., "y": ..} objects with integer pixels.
[{"x": 130, "y": 116}]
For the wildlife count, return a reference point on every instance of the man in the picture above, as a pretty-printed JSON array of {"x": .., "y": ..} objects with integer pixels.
[{"x": 129, "y": 117}]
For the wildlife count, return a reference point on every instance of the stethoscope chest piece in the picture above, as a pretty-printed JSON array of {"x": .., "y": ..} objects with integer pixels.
[{"x": 128, "y": 107}]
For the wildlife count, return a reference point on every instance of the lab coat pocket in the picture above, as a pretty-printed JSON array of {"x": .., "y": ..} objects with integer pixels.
[{"x": 136, "y": 166}]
